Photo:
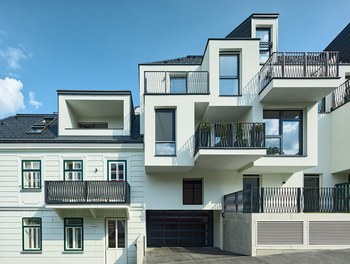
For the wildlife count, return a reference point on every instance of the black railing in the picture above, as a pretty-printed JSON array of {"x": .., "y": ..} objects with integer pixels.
[
  {"x": 229, "y": 135},
  {"x": 189, "y": 82},
  {"x": 341, "y": 95},
  {"x": 83, "y": 192},
  {"x": 299, "y": 65},
  {"x": 289, "y": 200}
]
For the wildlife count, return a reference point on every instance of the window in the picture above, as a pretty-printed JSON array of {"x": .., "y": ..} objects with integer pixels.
[
  {"x": 31, "y": 234},
  {"x": 229, "y": 74},
  {"x": 36, "y": 129},
  {"x": 165, "y": 132},
  {"x": 322, "y": 105},
  {"x": 73, "y": 170},
  {"x": 85, "y": 125},
  {"x": 265, "y": 43},
  {"x": 116, "y": 233},
  {"x": 283, "y": 132},
  {"x": 73, "y": 234},
  {"x": 116, "y": 170},
  {"x": 31, "y": 174},
  {"x": 178, "y": 82},
  {"x": 192, "y": 191}
]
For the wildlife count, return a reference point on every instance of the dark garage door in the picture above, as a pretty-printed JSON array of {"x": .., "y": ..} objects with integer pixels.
[{"x": 187, "y": 228}]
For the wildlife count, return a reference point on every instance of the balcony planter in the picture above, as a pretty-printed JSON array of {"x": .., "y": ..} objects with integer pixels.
[
  {"x": 240, "y": 141},
  {"x": 204, "y": 134},
  {"x": 257, "y": 135}
]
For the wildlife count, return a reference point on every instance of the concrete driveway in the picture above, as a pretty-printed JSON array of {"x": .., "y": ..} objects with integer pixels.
[{"x": 211, "y": 256}]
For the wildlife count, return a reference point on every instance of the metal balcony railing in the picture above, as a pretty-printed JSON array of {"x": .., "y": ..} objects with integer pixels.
[
  {"x": 87, "y": 192},
  {"x": 189, "y": 82},
  {"x": 211, "y": 135},
  {"x": 299, "y": 65},
  {"x": 341, "y": 95},
  {"x": 289, "y": 200}
]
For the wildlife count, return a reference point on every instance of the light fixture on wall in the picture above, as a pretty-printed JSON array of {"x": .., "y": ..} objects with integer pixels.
[
  {"x": 95, "y": 170},
  {"x": 283, "y": 182}
]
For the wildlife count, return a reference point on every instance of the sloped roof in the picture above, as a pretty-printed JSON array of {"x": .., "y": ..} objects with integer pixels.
[
  {"x": 14, "y": 129},
  {"x": 341, "y": 43},
  {"x": 191, "y": 59}
]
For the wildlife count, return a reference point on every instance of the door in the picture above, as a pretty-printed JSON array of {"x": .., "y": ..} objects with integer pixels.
[
  {"x": 311, "y": 193},
  {"x": 116, "y": 251},
  {"x": 251, "y": 202}
]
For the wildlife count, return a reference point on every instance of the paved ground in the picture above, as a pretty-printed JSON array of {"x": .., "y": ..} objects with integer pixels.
[{"x": 211, "y": 256}]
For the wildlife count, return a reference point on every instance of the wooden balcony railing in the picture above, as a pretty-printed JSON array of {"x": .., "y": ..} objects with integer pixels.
[
  {"x": 299, "y": 65},
  {"x": 189, "y": 82},
  {"x": 289, "y": 200},
  {"x": 211, "y": 135},
  {"x": 87, "y": 192},
  {"x": 341, "y": 95}
]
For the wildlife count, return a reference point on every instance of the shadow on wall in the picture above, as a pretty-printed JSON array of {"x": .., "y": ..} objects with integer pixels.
[
  {"x": 250, "y": 91},
  {"x": 185, "y": 154}
]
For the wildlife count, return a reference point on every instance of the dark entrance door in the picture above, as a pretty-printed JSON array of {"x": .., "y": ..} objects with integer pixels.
[
  {"x": 311, "y": 193},
  {"x": 173, "y": 228},
  {"x": 251, "y": 196}
]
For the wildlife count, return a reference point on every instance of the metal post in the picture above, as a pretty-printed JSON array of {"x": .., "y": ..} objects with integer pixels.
[
  {"x": 283, "y": 63},
  {"x": 299, "y": 200},
  {"x": 305, "y": 64},
  {"x": 261, "y": 200},
  {"x": 327, "y": 64}
]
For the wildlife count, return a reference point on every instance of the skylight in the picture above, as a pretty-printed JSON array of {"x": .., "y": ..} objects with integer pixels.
[
  {"x": 40, "y": 126},
  {"x": 36, "y": 129}
]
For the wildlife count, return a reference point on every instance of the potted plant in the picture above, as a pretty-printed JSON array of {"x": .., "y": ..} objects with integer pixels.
[{"x": 204, "y": 129}]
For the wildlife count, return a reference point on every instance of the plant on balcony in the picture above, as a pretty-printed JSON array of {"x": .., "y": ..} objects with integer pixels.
[
  {"x": 257, "y": 135},
  {"x": 204, "y": 129},
  {"x": 240, "y": 140},
  {"x": 224, "y": 134}
]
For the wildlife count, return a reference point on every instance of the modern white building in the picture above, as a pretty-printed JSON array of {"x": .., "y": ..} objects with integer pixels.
[
  {"x": 243, "y": 148},
  {"x": 237, "y": 155}
]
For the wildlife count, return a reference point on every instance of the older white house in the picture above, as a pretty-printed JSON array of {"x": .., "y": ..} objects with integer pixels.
[{"x": 244, "y": 148}]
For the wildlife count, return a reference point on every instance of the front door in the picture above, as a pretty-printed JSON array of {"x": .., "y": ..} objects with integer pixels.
[
  {"x": 116, "y": 250},
  {"x": 311, "y": 193},
  {"x": 251, "y": 184}
]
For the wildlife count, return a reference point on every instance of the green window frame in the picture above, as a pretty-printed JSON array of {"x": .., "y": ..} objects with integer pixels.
[
  {"x": 116, "y": 170},
  {"x": 73, "y": 234},
  {"x": 31, "y": 234},
  {"x": 31, "y": 174},
  {"x": 73, "y": 170}
]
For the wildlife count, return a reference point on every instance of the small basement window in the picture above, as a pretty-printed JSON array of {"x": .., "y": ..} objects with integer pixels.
[{"x": 92, "y": 125}]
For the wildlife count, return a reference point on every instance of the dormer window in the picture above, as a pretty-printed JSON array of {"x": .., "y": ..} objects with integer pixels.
[
  {"x": 90, "y": 125},
  {"x": 36, "y": 129},
  {"x": 264, "y": 34}
]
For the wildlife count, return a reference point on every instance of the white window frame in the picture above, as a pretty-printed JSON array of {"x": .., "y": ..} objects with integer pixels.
[{"x": 117, "y": 172}]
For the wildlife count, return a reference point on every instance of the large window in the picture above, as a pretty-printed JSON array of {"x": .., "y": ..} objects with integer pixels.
[
  {"x": 165, "y": 132},
  {"x": 31, "y": 174},
  {"x": 73, "y": 170},
  {"x": 116, "y": 233},
  {"x": 192, "y": 191},
  {"x": 229, "y": 74},
  {"x": 116, "y": 170},
  {"x": 265, "y": 43},
  {"x": 73, "y": 234},
  {"x": 283, "y": 132},
  {"x": 31, "y": 234}
]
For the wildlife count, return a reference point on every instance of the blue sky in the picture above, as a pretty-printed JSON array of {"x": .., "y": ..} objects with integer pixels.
[{"x": 47, "y": 45}]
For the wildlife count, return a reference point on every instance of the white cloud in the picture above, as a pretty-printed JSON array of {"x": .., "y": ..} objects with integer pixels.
[
  {"x": 11, "y": 97},
  {"x": 33, "y": 102},
  {"x": 13, "y": 56}
]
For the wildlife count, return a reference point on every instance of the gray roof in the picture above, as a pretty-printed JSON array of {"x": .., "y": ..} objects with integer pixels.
[
  {"x": 14, "y": 129},
  {"x": 342, "y": 44},
  {"x": 188, "y": 60}
]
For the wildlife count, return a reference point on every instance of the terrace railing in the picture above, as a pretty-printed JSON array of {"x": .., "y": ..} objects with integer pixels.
[
  {"x": 299, "y": 65},
  {"x": 189, "y": 82},
  {"x": 341, "y": 95},
  {"x": 289, "y": 200},
  {"x": 87, "y": 192},
  {"x": 222, "y": 135}
]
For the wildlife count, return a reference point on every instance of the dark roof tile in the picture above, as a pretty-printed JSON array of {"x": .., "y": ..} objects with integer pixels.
[{"x": 191, "y": 59}]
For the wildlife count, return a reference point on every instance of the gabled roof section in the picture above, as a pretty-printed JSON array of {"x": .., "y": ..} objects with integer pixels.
[
  {"x": 14, "y": 129},
  {"x": 244, "y": 29},
  {"x": 188, "y": 60},
  {"x": 342, "y": 44}
]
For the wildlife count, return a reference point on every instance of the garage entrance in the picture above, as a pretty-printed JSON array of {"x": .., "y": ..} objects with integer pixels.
[{"x": 179, "y": 228}]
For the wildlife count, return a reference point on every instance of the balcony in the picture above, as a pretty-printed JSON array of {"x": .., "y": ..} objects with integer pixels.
[
  {"x": 189, "y": 82},
  {"x": 290, "y": 200},
  {"x": 341, "y": 95},
  {"x": 299, "y": 76},
  {"x": 228, "y": 145},
  {"x": 87, "y": 192}
]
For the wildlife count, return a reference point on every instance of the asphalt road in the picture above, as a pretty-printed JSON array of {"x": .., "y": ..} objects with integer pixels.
[{"x": 211, "y": 256}]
